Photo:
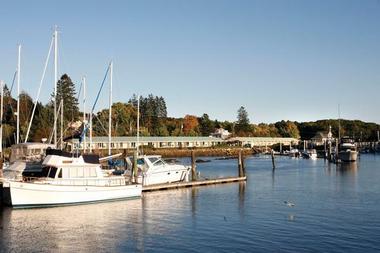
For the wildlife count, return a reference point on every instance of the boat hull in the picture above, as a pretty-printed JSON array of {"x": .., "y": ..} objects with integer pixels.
[
  {"x": 348, "y": 156},
  {"x": 22, "y": 194},
  {"x": 163, "y": 177}
]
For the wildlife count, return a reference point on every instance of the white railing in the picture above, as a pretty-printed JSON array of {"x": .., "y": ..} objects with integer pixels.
[{"x": 111, "y": 181}]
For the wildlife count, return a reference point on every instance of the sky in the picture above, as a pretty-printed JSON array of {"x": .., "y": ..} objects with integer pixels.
[{"x": 281, "y": 60}]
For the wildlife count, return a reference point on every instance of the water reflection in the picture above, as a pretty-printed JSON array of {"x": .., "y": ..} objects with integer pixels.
[
  {"x": 347, "y": 168},
  {"x": 242, "y": 186}
]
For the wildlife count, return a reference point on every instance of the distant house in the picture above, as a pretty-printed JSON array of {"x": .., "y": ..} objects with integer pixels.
[
  {"x": 220, "y": 133},
  {"x": 261, "y": 141},
  {"x": 319, "y": 138}
]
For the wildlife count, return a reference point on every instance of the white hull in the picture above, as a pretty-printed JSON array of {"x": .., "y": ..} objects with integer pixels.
[
  {"x": 348, "y": 156},
  {"x": 23, "y": 194},
  {"x": 163, "y": 177}
]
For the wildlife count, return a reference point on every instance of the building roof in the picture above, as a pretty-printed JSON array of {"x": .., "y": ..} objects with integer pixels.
[
  {"x": 320, "y": 135},
  {"x": 262, "y": 139},
  {"x": 154, "y": 139}
]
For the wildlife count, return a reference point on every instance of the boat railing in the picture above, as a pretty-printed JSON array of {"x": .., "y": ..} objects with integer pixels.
[{"x": 116, "y": 181}]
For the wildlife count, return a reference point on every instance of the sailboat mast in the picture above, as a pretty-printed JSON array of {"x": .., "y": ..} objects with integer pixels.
[
  {"x": 55, "y": 82},
  {"x": 339, "y": 122},
  {"x": 61, "y": 124},
  {"x": 84, "y": 113},
  {"x": 138, "y": 124},
  {"x": 110, "y": 111},
  {"x": 90, "y": 132},
  {"x": 18, "y": 94},
  {"x": 1, "y": 117}
]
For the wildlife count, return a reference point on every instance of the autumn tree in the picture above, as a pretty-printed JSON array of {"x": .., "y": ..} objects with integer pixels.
[
  {"x": 190, "y": 125},
  {"x": 287, "y": 129}
]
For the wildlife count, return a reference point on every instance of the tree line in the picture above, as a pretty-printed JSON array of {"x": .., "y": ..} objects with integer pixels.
[{"x": 154, "y": 120}]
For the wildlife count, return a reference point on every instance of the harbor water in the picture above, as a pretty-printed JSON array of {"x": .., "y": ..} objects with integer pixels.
[{"x": 302, "y": 206}]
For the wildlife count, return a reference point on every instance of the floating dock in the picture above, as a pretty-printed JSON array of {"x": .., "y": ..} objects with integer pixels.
[{"x": 160, "y": 187}]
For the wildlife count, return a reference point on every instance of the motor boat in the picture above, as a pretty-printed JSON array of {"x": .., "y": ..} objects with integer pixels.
[
  {"x": 67, "y": 178},
  {"x": 25, "y": 157},
  {"x": 347, "y": 150},
  {"x": 151, "y": 169},
  {"x": 310, "y": 154},
  {"x": 294, "y": 153}
]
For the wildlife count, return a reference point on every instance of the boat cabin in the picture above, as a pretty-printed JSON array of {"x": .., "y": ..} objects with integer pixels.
[
  {"x": 29, "y": 152},
  {"x": 60, "y": 164}
]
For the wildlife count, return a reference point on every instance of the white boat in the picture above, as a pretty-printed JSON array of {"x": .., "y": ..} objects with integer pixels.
[
  {"x": 310, "y": 154},
  {"x": 25, "y": 157},
  {"x": 153, "y": 170},
  {"x": 294, "y": 153},
  {"x": 347, "y": 150},
  {"x": 67, "y": 179}
]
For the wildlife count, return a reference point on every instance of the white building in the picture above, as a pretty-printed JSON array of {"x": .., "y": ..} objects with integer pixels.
[
  {"x": 221, "y": 133},
  {"x": 262, "y": 141},
  {"x": 127, "y": 142}
]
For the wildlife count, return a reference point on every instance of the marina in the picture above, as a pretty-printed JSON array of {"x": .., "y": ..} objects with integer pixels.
[
  {"x": 335, "y": 208},
  {"x": 190, "y": 126}
]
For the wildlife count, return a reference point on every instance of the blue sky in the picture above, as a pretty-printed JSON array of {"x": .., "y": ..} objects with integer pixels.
[{"x": 293, "y": 59}]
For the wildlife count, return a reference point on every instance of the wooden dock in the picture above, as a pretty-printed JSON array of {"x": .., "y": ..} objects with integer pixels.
[{"x": 160, "y": 187}]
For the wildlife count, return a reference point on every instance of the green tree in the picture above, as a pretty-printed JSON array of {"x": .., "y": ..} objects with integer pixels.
[
  {"x": 242, "y": 126},
  {"x": 206, "y": 126},
  {"x": 66, "y": 91}
]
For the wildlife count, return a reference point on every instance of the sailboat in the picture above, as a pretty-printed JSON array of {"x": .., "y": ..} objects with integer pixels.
[
  {"x": 69, "y": 178},
  {"x": 27, "y": 156}
]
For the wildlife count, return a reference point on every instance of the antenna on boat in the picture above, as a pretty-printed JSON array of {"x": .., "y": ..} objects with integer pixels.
[
  {"x": 55, "y": 82},
  {"x": 110, "y": 111},
  {"x": 18, "y": 94}
]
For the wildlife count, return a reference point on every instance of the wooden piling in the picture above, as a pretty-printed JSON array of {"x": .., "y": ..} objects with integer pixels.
[
  {"x": 273, "y": 164},
  {"x": 193, "y": 167},
  {"x": 241, "y": 164},
  {"x": 134, "y": 170}
]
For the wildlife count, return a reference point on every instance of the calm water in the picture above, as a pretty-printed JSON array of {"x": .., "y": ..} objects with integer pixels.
[{"x": 337, "y": 209}]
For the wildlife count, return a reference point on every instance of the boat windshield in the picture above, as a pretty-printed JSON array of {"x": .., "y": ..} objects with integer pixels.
[
  {"x": 158, "y": 162},
  {"x": 153, "y": 159},
  {"x": 49, "y": 171}
]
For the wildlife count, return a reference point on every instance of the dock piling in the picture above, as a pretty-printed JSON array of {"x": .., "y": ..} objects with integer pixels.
[
  {"x": 273, "y": 163},
  {"x": 241, "y": 164},
  {"x": 193, "y": 167},
  {"x": 134, "y": 171}
]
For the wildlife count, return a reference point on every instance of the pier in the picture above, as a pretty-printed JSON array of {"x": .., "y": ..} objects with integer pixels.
[
  {"x": 168, "y": 186},
  {"x": 195, "y": 181}
]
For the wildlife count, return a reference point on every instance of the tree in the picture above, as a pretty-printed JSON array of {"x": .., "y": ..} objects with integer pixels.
[
  {"x": 66, "y": 91},
  {"x": 206, "y": 126},
  {"x": 242, "y": 126},
  {"x": 190, "y": 125},
  {"x": 288, "y": 129}
]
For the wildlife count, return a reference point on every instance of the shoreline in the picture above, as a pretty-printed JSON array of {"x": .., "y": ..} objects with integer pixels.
[{"x": 186, "y": 152}]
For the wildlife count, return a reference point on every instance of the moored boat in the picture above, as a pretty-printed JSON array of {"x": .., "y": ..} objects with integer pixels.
[
  {"x": 310, "y": 154},
  {"x": 153, "y": 170},
  {"x": 347, "y": 150},
  {"x": 68, "y": 179}
]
